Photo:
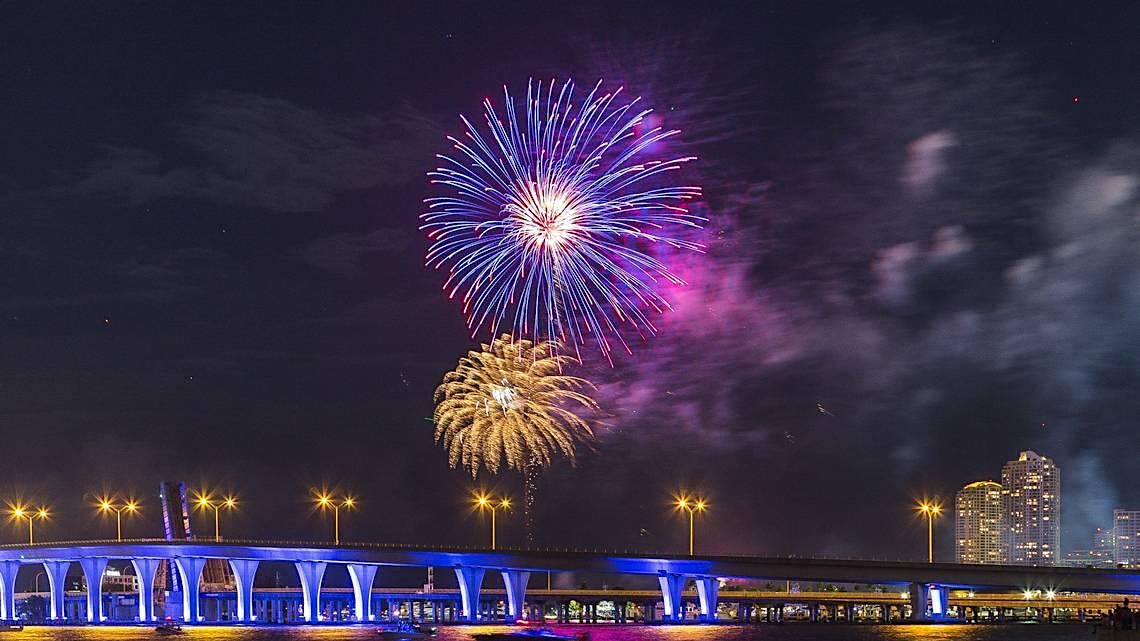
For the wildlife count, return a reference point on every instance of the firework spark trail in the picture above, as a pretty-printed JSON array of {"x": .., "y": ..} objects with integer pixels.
[
  {"x": 541, "y": 226},
  {"x": 510, "y": 405}
]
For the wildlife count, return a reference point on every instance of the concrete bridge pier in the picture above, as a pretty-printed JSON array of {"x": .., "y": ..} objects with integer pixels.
[
  {"x": 363, "y": 576},
  {"x": 145, "y": 570},
  {"x": 671, "y": 588},
  {"x": 311, "y": 573},
  {"x": 244, "y": 572},
  {"x": 190, "y": 569},
  {"x": 919, "y": 599},
  {"x": 8, "y": 570},
  {"x": 515, "y": 583},
  {"x": 56, "y": 572},
  {"x": 707, "y": 592},
  {"x": 470, "y": 581},
  {"x": 93, "y": 570}
]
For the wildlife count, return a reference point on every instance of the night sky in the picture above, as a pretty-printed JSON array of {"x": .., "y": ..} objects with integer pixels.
[{"x": 923, "y": 219}]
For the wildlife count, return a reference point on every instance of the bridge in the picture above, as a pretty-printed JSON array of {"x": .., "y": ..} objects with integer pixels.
[{"x": 927, "y": 584}]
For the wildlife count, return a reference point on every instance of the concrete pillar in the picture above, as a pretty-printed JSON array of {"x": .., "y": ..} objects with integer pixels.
[
  {"x": 311, "y": 573},
  {"x": 363, "y": 576},
  {"x": 145, "y": 570},
  {"x": 56, "y": 572},
  {"x": 707, "y": 591},
  {"x": 813, "y": 612},
  {"x": 849, "y": 612},
  {"x": 515, "y": 582},
  {"x": 919, "y": 599},
  {"x": 671, "y": 586},
  {"x": 244, "y": 572},
  {"x": 8, "y": 570},
  {"x": 470, "y": 580},
  {"x": 190, "y": 569},
  {"x": 93, "y": 570}
]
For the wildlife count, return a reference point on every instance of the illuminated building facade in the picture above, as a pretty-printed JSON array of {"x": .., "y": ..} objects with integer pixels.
[
  {"x": 1100, "y": 555},
  {"x": 1031, "y": 510},
  {"x": 977, "y": 523},
  {"x": 1126, "y": 538}
]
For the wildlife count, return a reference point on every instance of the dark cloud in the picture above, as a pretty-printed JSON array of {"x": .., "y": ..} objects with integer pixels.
[
  {"x": 343, "y": 253},
  {"x": 268, "y": 153},
  {"x": 932, "y": 275}
]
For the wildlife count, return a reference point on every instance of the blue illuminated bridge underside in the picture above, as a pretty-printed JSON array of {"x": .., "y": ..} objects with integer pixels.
[{"x": 364, "y": 560}]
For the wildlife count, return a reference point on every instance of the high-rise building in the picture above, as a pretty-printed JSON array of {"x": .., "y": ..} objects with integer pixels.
[
  {"x": 1126, "y": 538},
  {"x": 977, "y": 518},
  {"x": 1100, "y": 555},
  {"x": 1031, "y": 510}
]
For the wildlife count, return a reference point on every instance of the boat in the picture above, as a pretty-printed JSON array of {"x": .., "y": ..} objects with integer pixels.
[
  {"x": 10, "y": 627},
  {"x": 533, "y": 633},
  {"x": 405, "y": 631},
  {"x": 169, "y": 628}
]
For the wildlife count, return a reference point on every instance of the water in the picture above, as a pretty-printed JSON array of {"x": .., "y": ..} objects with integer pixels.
[{"x": 792, "y": 632}]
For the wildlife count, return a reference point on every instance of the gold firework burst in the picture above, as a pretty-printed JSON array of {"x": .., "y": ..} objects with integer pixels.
[{"x": 511, "y": 404}]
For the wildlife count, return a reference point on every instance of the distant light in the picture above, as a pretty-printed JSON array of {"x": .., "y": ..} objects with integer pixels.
[
  {"x": 1050, "y": 594},
  {"x": 1027, "y": 594}
]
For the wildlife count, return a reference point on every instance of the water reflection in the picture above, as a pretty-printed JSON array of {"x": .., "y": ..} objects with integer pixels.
[{"x": 801, "y": 632}]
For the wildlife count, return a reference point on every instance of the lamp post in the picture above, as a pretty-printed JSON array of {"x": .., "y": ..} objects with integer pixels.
[
  {"x": 204, "y": 501},
  {"x": 929, "y": 509},
  {"x": 485, "y": 502},
  {"x": 21, "y": 511},
  {"x": 108, "y": 505},
  {"x": 692, "y": 506},
  {"x": 326, "y": 502}
]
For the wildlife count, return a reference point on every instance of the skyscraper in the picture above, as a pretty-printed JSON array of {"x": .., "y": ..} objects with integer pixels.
[
  {"x": 1126, "y": 546},
  {"x": 977, "y": 518},
  {"x": 1100, "y": 555},
  {"x": 1031, "y": 510}
]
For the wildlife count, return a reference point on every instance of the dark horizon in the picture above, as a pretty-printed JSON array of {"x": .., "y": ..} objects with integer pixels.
[{"x": 923, "y": 220}]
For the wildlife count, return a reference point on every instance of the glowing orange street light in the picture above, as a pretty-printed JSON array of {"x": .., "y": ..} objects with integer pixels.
[
  {"x": 108, "y": 505},
  {"x": 21, "y": 511},
  {"x": 691, "y": 505},
  {"x": 327, "y": 501},
  {"x": 930, "y": 509},
  {"x": 486, "y": 502},
  {"x": 205, "y": 501}
]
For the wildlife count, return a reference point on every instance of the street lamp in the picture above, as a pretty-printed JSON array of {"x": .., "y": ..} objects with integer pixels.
[
  {"x": 691, "y": 505},
  {"x": 326, "y": 502},
  {"x": 108, "y": 505},
  {"x": 930, "y": 509},
  {"x": 485, "y": 502},
  {"x": 21, "y": 511},
  {"x": 205, "y": 501}
]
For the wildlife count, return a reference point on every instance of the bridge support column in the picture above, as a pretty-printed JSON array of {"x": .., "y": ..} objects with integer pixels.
[
  {"x": 363, "y": 576},
  {"x": 470, "y": 580},
  {"x": 190, "y": 569},
  {"x": 244, "y": 572},
  {"x": 93, "y": 570},
  {"x": 919, "y": 600},
  {"x": 311, "y": 573},
  {"x": 515, "y": 582},
  {"x": 56, "y": 572},
  {"x": 707, "y": 591},
  {"x": 145, "y": 570},
  {"x": 8, "y": 570},
  {"x": 671, "y": 586}
]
